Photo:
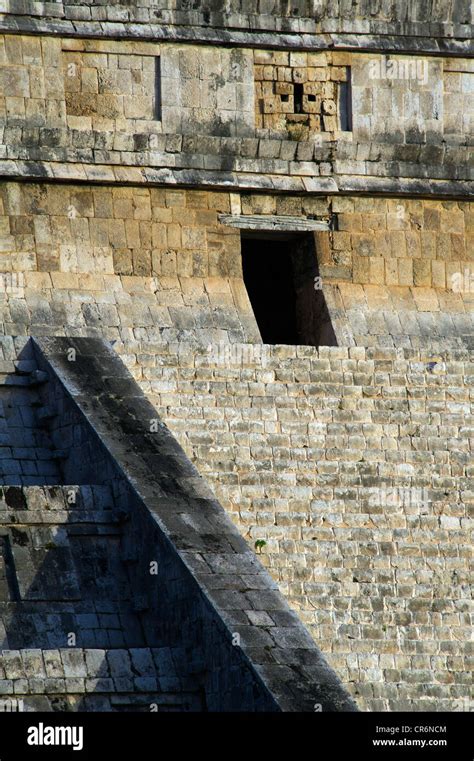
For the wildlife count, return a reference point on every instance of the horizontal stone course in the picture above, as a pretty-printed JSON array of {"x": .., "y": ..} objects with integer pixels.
[{"x": 297, "y": 23}]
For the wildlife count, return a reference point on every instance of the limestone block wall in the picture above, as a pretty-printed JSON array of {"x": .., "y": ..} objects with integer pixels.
[
  {"x": 138, "y": 111},
  {"x": 400, "y": 316},
  {"x": 207, "y": 90},
  {"x": 133, "y": 263},
  {"x": 109, "y": 85},
  {"x": 398, "y": 100},
  {"x": 412, "y": 99},
  {"x": 109, "y": 260},
  {"x": 458, "y": 108},
  {"x": 354, "y": 466},
  {"x": 70, "y": 85},
  {"x": 349, "y": 468},
  {"x": 116, "y": 230},
  {"x": 408, "y": 271},
  {"x": 393, "y": 99},
  {"x": 385, "y": 241}
]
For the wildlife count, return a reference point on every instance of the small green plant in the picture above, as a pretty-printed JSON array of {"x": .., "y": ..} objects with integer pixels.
[
  {"x": 259, "y": 544},
  {"x": 297, "y": 131}
]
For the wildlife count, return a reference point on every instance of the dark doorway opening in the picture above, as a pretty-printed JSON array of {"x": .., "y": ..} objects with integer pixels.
[
  {"x": 268, "y": 277},
  {"x": 282, "y": 279}
]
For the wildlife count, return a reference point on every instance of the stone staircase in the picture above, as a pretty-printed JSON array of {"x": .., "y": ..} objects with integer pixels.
[
  {"x": 70, "y": 628},
  {"x": 123, "y": 584},
  {"x": 27, "y": 455},
  {"x": 354, "y": 468},
  {"x": 70, "y": 631},
  {"x": 349, "y": 471}
]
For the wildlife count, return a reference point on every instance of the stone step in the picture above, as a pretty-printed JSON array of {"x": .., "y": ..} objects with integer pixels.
[
  {"x": 278, "y": 421},
  {"x": 314, "y": 382},
  {"x": 117, "y": 679},
  {"x": 6, "y": 368},
  {"x": 232, "y": 396},
  {"x": 340, "y": 477},
  {"x": 21, "y": 373},
  {"x": 32, "y": 380},
  {"x": 429, "y": 374},
  {"x": 249, "y": 352},
  {"x": 407, "y": 431},
  {"x": 25, "y": 366},
  {"x": 54, "y": 497},
  {"x": 343, "y": 448},
  {"x": 27, "y": 455},
  {"x": 58, "y": 518},
  {"x": 230, "y": 458},
  {"x": 88, "y": 662}
]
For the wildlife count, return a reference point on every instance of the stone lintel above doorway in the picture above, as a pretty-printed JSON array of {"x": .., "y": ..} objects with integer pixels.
[{"x": 273, "y": 223}]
